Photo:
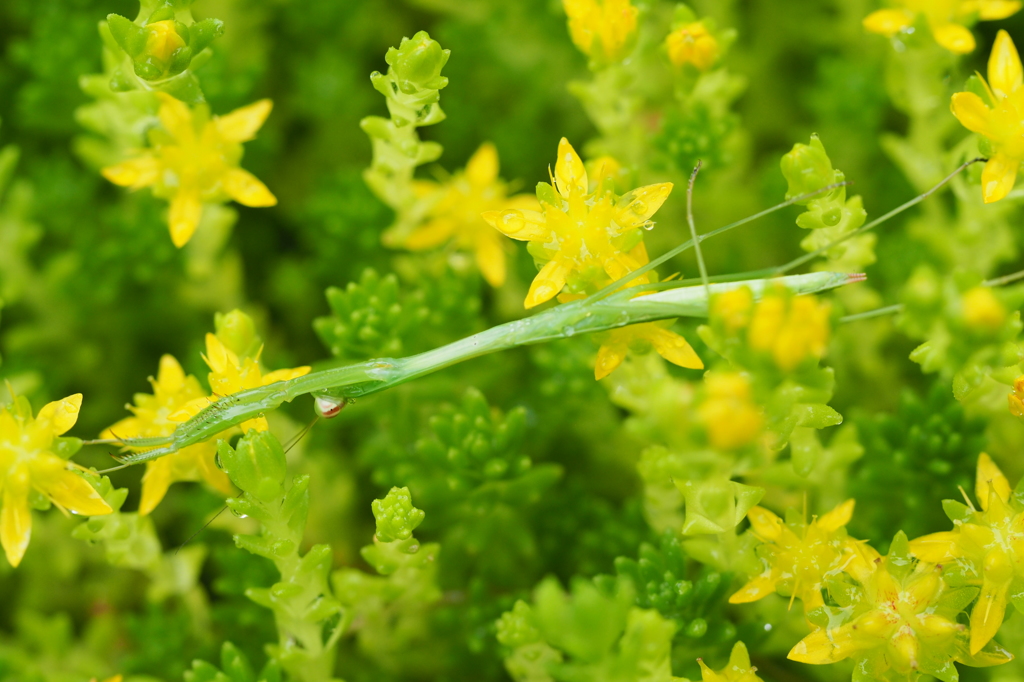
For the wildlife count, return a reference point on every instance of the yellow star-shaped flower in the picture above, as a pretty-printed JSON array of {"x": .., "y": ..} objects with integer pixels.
[
  {"x": 990, "y": 543},
  {"x": 798, "y": 557},
  {"x": 1001, "y": 119},
  {"x": 172, "y": 391},
  {"x": 28, "y": 462},
  {"x": 455, "y": 216},
  {"x": 193, "y": 160},
  {"x": 229, "y": 374},
  {"x": 583, "y": 235},
  {"x": 945, "y": 18}
]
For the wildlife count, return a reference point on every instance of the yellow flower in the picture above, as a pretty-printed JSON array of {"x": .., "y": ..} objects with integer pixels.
[
  {"x": 730, "y": 415},
  {"x": 642, "y": 337},
  {"x": 456, "y": 213},
  {"x": 172, "y": 391},
  {"x": 603, "y": 29},
  {"x": 799, "y": 557},
  {"x": 945, "y": 19},
  {"x": 29, "y": 463},
  {"x": 230, "y": 374},
  {"x": 738, "y": 670},
  {"x": 1002, "y": 122},
  {"x": 584, "y": 235},
  {"x": 194, "y": 160},
  {"x": 791, "y": 328},
  {"x": 115, "y": 678},
  {"x": 693, "y": 44},
  {"x": 983, "y": 310},
  {"x": 987, "y": 543}
]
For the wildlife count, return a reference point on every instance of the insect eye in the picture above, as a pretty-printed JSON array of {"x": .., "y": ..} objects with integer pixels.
[{"x": 328, "y": 407}]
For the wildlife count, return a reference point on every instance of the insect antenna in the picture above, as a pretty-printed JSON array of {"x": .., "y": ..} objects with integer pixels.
[
  {"x": 302, "y": 434},
  {"x": 205, "y": 526}
]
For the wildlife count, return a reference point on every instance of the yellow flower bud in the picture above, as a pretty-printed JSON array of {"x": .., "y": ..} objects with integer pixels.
[
  {"x": 982, "y": 310},
  {"x": 693, "y": 44},
  {"x": 163, "y": 40}
]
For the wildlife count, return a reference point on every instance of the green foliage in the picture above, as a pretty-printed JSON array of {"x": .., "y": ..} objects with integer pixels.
[
  {"x": 234, "y": 667},
  {"x": 925, "y": 449},
  {"x": 302, "y": 601},
  {"x": 375, "y": 318}
]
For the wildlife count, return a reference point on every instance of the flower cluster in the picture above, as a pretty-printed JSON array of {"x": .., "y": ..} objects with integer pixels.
[
  {"x": 897, "y": 616},
  {"x": 193, "y": 160},
  {"x": 232, "y": 355},
  {"x": 945, "y": 18}
]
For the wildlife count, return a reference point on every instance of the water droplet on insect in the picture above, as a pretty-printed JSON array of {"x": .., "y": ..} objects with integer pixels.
[
  {"x": 327, "y": 406},
  {"x": 239, "y": 514}
]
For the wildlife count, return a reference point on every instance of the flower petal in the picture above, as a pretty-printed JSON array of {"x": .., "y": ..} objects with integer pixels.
[
  {"x": 674, "y": 348},
  {"x": 284, "y": 375},
  {"x": 765, "y": 524},
  {"x": 634, "y": 208},
  {"x": 990, "y": 479},
  {"x": 218, "y": 357},
  {"x": 490, "y": 258},
  {"x": 987, "y": 615},
  {"x": 972, "y": 112},
  {"x": 822, "y": 647},
  {"x": 525, "y": 226},
  {"x": 994, "y": 10},
  {"x": 241, "y": 124},
  {"x": 482, "y": 167},
  {"x": 888, "y": 22},
  {"x": 61, "y": 414},
  {"x": 569, "y": 171},
  {"x": 609, "y": 357},
  {"x": 15, "y": 517},
  {"x": 954, "y": 37},
  {"x": 186, "y": 210},
  {"x": 176, "y": 117},
  {"x": 998, "y": 177},
  {"x": 247, "y": 189},
  {"x": 838, "y": 517},
  {"x": 936, "y": 548},
  {"x": 69, "y": 490},
  {"x": 1004, "y": 69},
  {"x": 135, "y": 173},
  {"x": 548, "y": 282},
  {"x": 431, "y": 234},
  {"x": 758, "y": 588},
  {"x": 170, "y": 377},
  {"x": 155, "y": 483}
]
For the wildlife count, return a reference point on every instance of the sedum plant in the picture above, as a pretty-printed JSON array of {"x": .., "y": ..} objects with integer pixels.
[{"x": 620, "y": 451}]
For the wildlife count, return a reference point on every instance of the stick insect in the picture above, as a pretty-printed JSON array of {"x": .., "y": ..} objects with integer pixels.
[{"x": 609, "y": 308}]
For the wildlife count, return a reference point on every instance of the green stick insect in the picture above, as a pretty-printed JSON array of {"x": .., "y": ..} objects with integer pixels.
[{"x": 609, "y": 308}]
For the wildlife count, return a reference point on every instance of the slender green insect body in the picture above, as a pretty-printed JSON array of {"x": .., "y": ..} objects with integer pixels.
[{"x": 333, "y": 388}]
